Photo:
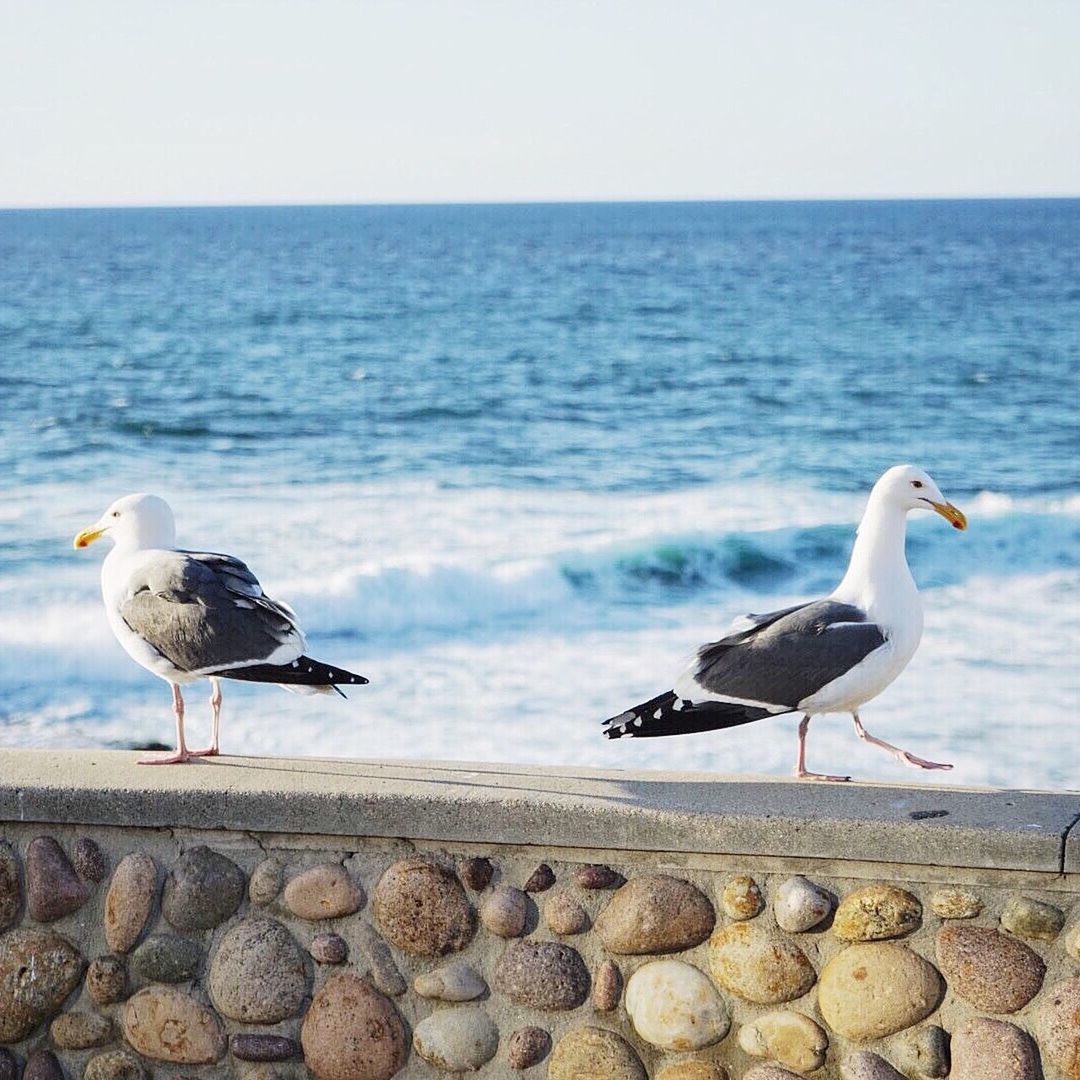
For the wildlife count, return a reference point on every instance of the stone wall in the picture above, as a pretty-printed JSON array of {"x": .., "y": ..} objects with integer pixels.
[{"x": 145, "y": 932}]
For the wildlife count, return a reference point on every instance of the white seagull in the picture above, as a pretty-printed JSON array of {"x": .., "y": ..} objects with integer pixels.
[
  {"x": 187, "y": 615},
  {"x": 830, "y": 655}
]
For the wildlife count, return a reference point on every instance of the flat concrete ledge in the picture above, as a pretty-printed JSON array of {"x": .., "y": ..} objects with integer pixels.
[{"x": 562, "y": 807}]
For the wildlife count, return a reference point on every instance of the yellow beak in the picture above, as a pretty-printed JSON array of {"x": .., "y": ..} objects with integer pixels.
[
  {"x": 87, "y": 537},
  {"x": 949, "y": 512}
]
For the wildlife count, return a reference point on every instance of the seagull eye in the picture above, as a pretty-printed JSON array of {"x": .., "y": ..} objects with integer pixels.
[
  {"x": 116, "y": 513},
  {"x": 916, "y": 483}
]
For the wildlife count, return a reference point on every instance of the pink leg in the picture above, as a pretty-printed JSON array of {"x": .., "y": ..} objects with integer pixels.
[
  {"x": 215, "y": 704},
  {"x": 800, "y": 765},
  {"x": 181, "y": 754},
  {"x": 901, "y": 755}
]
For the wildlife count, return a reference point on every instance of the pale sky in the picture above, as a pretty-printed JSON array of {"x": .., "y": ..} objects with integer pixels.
[{"x": 120, "y": 102}]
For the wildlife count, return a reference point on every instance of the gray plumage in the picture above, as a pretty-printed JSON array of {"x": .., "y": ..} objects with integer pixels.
[
  {"x": 788, "y": 655},
  {"x": 204, "y": 612}
]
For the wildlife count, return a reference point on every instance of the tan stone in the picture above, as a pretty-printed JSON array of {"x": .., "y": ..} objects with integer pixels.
[
  {"x": 1057, "y": 1025},
  {"x": 993, "y": 1050},
  {"x": 130, "y": 900},
  {"x": 592, "y": 1053},
  {"x": 759, "y": 964},
  {"x": 167, "y": 1025},
  {"x": 326, "y": 891},
  {"x": 607, "y": 987},
  {"x": 741, "y": 898},
  {"x": 504, "y": 911},
  {"x": 655, "y": 913},
  {"x": 790, "y": 1038},
  {"x": 422, "y": 908},
  {"x": 692, "y": 1070},
  {"x": 870, "y": 990},
  {"x": 952, "y": 903},
  {"x": 564, "y": 915},
  {"x": 352, "y": 1032},
  {"x": 1032, "y": 919},
  {"x": 674, "y": 1006},
  {"x": 80, "y": 1030},
  {"x": 38, "y": 969},
  {"x": 988, "y": 969},
  {"x": 875, "y": 913}
]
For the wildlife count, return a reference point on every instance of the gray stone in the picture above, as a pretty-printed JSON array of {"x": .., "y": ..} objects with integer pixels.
[
  {"x": 993, "y": 1050},
  {"x": 593, "y": 1053},
  {"x": 923, "y": 1052},
  {"x": 542, "y": 975},
  {"x": 692, "y": 1070},
  {"x": 90, "y": 862},
  {"x": 38, "y": 969},
  {"x": 607, "y": 987},
  {"x": 106, "y": 980},
  {"x": 422, "y": 908},
  {"x": 266, "y": 880},
  {"x": 166, "y": 958},
  {"x": 248, "y": 1047},
  {"x": 477, "y": 873},
  {"x": 352, "y": 1031},
  {"x": 384, "y": 972},
  {"x": 988, "y": 969},
  {"x": 163, "y": 1024},
  {"x": 451, "y": 982},
  {"x": 597, "y": 877},
  {"x": 655, "y": 913},
  {"x": 504, "y": 910},
  {"x": 80, "y": 1030},
  {"x": 541, "y": 879},
  {"x": 42, "y": 1065},
  {"x": 769, "y": 1072},
  {"x": 114, "y": 1065},
  {"x": 526, "y": 1047},
  {"x": 53, "y": 889},
  {"x": 800, "y": 905},
  {"x": 1032, "y": 919},
  {"x": 202, "y": 890},
  {"x": 10, "y": 892},
  {"x": 130, "y": 900},
  {"x": 329, "y": 949},
  {"x": 461, "y": 1039},
  {"x": 1057, "y": 1025},
  {"x": 9, "y": 1067},
  {"x": 257, "y": 973},
  {"x": 863, "y": 1065}
]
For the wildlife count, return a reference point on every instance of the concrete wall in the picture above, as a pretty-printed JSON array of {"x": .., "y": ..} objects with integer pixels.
[{"x": 259, "y": 917}]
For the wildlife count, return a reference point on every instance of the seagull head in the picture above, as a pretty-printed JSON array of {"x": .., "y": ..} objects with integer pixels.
[
  {"x": 135, "y": 522},
  {"x": 911, "y": 488}
]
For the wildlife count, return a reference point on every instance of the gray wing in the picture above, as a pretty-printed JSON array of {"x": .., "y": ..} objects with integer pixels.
[
  {"x": 203, "y": 611},
  {"x": 787, "y": 656}
]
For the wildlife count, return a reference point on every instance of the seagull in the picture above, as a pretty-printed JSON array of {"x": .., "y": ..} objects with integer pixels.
[
  {"x": 829, "y": 655},
  {"x": 187, "y": 615}
]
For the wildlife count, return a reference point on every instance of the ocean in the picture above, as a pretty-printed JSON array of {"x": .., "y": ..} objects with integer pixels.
[{"x": 514, "y": 463}]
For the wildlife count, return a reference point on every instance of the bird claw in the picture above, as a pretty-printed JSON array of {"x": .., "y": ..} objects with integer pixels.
[
  {"x": 176, "y": 758},
  {"x": 210, "y": 751},
  {"x": 802, "y": 774},
  {"x": 921, "y": 763}
]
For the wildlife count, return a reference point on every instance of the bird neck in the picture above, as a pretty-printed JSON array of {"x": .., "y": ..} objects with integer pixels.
[{"x": 878, "y": 576}]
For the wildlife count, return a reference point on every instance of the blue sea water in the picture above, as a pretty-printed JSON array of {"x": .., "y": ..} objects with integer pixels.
[{"x": 515, "y": 462}]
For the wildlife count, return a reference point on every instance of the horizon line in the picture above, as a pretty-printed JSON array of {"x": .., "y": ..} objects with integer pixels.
[{"x": 584, "y": 201}]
